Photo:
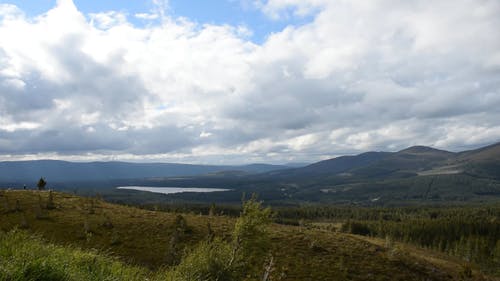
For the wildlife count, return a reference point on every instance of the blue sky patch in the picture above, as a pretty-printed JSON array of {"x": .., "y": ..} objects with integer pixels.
[{"x": 219, "y": 12}]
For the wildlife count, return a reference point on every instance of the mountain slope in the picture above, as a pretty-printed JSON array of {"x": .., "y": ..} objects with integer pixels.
[
  {"x": 487, "y": 153},
  {"x": 483, "y": 162},
  {"x": 414, "y": 175},
  {"x": 406, "y": 162},
  {"x": 333, "y": 166},
  {"x": 142, "y": 237},
  {"x": 372, "y": 164}
]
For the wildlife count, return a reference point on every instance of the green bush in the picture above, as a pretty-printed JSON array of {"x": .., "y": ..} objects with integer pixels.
[{"x": 208, "y": 261}]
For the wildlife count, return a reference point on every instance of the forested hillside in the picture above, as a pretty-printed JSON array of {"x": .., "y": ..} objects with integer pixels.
[{"x": 174, "y": 244}]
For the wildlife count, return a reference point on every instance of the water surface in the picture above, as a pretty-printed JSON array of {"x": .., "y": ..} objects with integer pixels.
[{"x": 171, "y": 190}]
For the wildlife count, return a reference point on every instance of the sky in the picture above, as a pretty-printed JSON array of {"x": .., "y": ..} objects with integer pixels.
[{"x": 245, "y": 81}]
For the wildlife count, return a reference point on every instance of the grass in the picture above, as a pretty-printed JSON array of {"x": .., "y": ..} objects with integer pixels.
[
  {"x": 26, "y": 257},
  {"x": 136, "y": 241}
]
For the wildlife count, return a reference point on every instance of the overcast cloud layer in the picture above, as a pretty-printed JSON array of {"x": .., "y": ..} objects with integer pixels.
[{"x": 363, "y": 75}]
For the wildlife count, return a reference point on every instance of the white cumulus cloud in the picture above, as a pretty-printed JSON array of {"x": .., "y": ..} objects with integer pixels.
[{"x": 361, "y": 75}]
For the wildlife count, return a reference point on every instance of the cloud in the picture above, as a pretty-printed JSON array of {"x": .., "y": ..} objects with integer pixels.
[
  {"x": 147, "y": 16},
  {"x": 279, "y": 9},
  {"x": 378, "y": 75},
  {"x": 109, "y": 19}
]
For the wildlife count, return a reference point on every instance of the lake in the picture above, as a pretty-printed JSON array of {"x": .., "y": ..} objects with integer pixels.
[{"x": 171, "y": 190}]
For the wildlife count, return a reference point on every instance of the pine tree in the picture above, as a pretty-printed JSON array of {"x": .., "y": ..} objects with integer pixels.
[{"x": 41, "y": 184}]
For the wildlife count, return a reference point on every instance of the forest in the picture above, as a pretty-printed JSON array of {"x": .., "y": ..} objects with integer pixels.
[{"x": 469, "y": 232}]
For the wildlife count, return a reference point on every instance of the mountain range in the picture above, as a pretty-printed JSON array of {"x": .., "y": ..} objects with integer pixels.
[
  {"x": 60, "y": 171},
  {"x": 414, "y": 174},
  {"x": 412, "y": 161}
]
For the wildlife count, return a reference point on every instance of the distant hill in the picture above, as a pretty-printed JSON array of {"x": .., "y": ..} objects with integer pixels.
[
  {"x": 416, "y": 174},
  {"x": 483, "y": 162},
  {"x": 373, "y": 164},
  {"x": 333, "y": 166},
  {"x": 487, "y": 153},
  {"x": 55, "y": 170},
  {"x": 404, "y": 163},
  {"x": 412, "y": 161}
]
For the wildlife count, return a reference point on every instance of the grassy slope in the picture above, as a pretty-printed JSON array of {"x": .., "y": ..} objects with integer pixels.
[
  {"x": 141, "y": 237},
  {"x": 25, "y": 257}
]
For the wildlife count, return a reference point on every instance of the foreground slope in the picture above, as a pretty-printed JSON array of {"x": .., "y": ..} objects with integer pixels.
[
  {"x": 27, "y": 257},
  {"x": 142, "y": 237}
]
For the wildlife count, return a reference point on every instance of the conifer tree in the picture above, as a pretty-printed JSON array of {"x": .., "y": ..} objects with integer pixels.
[{"x": 41, "y": 184}]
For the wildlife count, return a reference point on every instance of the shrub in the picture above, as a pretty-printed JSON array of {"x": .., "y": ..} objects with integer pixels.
[{"x": 208, "y": 261}]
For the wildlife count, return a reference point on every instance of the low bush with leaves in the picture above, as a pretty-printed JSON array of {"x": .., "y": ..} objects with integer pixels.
[{"x": 216, "y": 259}]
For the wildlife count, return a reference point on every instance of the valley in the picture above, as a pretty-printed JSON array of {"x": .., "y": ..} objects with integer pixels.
[{"x": 415, "y": 214}]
